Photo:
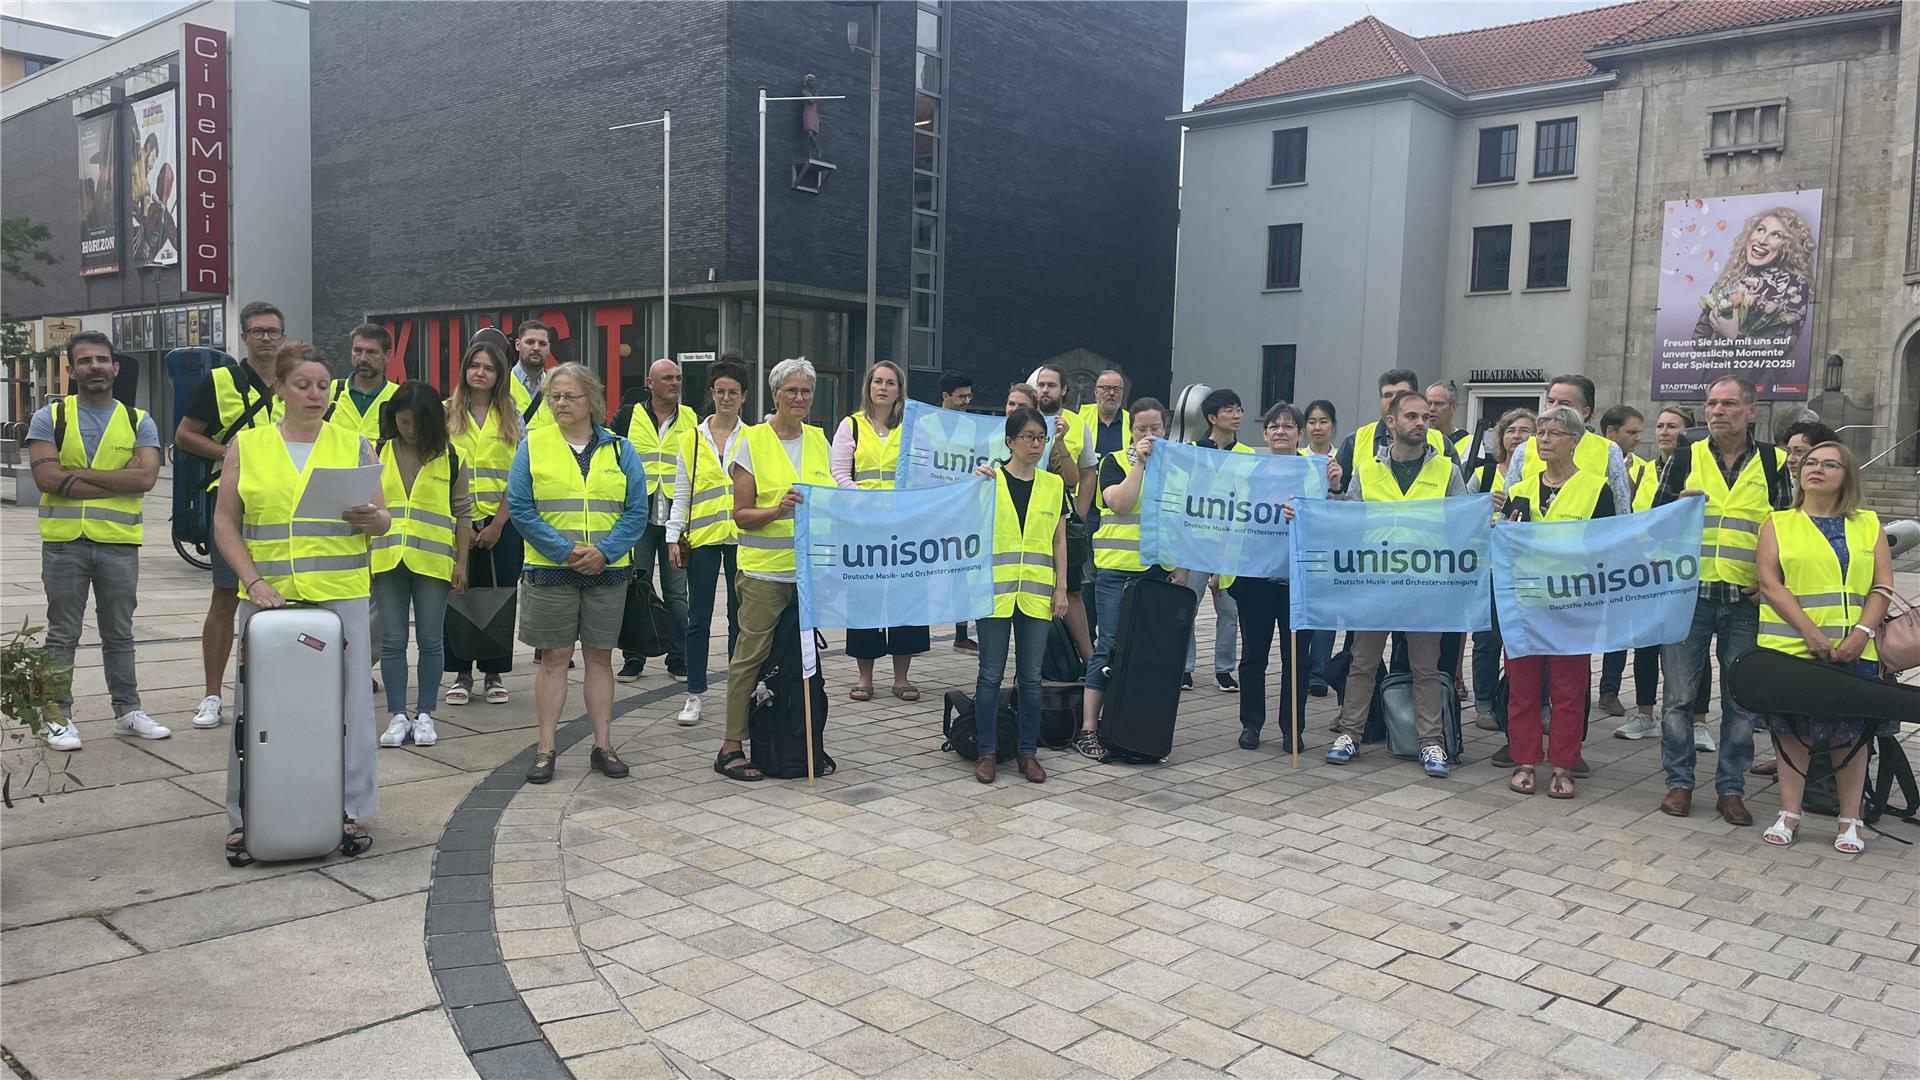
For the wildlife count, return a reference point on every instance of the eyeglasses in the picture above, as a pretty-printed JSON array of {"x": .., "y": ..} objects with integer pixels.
[
  {"x": 1823, "y": 464},
  {"x": 795, "y": 391},
  {"x": 1107, "y": 389},
  {"x": 726, "y": 393},
  {"x": 566, "y": 399},
  {"x": 1032, "y": 438},
  {"x": 1553, "y": 433},
  {"x": 266, "y": 333}
]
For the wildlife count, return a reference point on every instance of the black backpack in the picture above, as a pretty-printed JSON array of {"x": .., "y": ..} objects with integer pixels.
[
  {"x": 962, "y": 737},
  {"x": 776, "y": 719}
]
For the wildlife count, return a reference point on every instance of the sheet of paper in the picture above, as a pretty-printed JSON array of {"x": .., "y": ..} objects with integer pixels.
[{"x": 330, "y": 492}]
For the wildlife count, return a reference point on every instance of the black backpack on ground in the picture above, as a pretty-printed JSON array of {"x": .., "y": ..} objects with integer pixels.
[
  {"x": 957, "y": 724},
  {"x": 1060, "y": 706},
  {"x": 776, "y": 720}
]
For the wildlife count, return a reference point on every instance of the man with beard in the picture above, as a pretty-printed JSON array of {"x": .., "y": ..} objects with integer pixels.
[
  {"x": 534, "y": 343},
  {"x": 1050, "y": 383},
  {"x": 356, "y": 402}
]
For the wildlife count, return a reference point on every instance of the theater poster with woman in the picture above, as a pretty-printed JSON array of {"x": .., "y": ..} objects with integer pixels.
[{"x": 1737, "y": 294}]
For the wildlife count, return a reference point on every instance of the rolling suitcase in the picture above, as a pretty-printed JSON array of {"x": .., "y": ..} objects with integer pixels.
[
  {"x": 1143, "y": 676},
  {"x": 289, "y": 731}
]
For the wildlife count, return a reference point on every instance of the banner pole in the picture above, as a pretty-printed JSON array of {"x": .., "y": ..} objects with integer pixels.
[
  {"x": 806, "y": 704},
  {"x": 1293, "y": 657}
]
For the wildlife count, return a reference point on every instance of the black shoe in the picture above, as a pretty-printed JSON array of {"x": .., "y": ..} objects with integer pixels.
[
  {"x": 1503, "y": 758},
  {"x": 677, "y": 667},
  {"x": 541, "y": 771},
  {"x": 1580, "y": 768},
  {"x": 632, "y": 669},
  {"x": 1186, "y": 681},
  {"x": 1249, "y": 739},
  {"x": 1316, "y": 689},
  {"x": 1224, "y": 680},
  {"x": 608, "y": 762}
]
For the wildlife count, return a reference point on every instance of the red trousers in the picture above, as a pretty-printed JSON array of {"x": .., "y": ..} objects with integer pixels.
[{"x": 1566, "y": 679}]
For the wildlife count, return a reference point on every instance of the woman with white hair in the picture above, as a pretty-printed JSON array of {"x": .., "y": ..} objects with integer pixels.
[{"x": 777, "y": 455}]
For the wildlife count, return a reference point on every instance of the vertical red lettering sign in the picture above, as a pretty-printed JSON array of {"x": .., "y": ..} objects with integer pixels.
[
  {"x": 205, "y": 131},
  {"x": 612, "y": 320}
]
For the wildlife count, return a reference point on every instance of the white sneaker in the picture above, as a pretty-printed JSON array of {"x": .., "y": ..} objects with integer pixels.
[
  {"x": 1703, "y": 739},
  {"x": 397, "y": 731},
  {"x": 423, "y": 732},
  {"x": 1638, "y": 726},
  {"x": 139, "y": 723},
  {"x": 61, "y": 736},
  {"x": 208, "y": 714},
  {"x": 690, "y": 712}
]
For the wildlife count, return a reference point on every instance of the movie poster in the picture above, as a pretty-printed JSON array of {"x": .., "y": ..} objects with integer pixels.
[
  {"x": 153, "y": 184},
  {"x": 99, "y": 195},
  {"x": 1737, "y": 294}
]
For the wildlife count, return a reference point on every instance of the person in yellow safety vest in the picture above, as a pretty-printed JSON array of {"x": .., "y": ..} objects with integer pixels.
[
  {"x": 1408, "y": 467},
  {"x": 1116, "y": 557},
  {"x": 1562, "y": 491},
  {"x": 1825, "y": 575},
  {"x": 1741, "y": 481},
  {"x": 281, "y": 556},
  {"x": 1110, "y": 426},
  {"x": 655, "y": 426},
  {"x": 1029, "y": 592},
  {"x": 93, "y": 460},
  {"x": 423, "y": 558},
  {"x": 1514, "y": 428},
  {"x": 776, "y": 456},
  {"x": 484, "y": 426},
  {"x": 701, "y": 535},
  {"x": 1050, "y": 388},
  {"x": 578, "y": 496},
  {"x": 956, "y": 393},
  {"x": 228, "y": 401},
  {"x": 865, "y": 454},
  {"x": 356, "y": 402},
  {"x": 1370, "y": 438},
  {"x": 1596, "y": 453},
  {"x": 1624, "y": 425},
  {"x": 1265, "y": 616},
  {"x": 1223, "y": 413},
  {"x": 534, "y": 343}
]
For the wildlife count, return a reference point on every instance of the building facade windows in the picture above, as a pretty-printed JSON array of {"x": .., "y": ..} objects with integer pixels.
[
  {"x": 1492, "y": 252},
  {"x": 1276, "y": 374},
  {"x": 1289, "y": 156},
  {"x": 1747, "y": 129},
  {"x": 1553, "y": 147},
  {"x": 1499, "y": 154},
  {"x": 929, "y": 179},
  {"x": 1283, "y": 256},
  {"x": 1547, "y": 244}
]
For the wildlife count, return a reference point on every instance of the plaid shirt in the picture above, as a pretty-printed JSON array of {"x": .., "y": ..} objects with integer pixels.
[{"x": 1679, "y": 469}]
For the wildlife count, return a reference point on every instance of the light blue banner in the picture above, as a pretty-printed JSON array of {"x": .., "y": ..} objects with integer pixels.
[
  {"x": 904, "y": 557},
  {"x": 1565, "y": 588},
  {"x": 1415, "y": 565},
  {"x": 939, "y": 446},
  {"x": 1221, "y": 512}
]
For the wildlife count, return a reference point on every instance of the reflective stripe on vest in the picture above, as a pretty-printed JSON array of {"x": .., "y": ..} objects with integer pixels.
[
  {"x": 769, "y": 549},
  {"x": 875, "y": 457},
  {"x": 422, "y": 532},
  {"x": 1576, "y": 500},
  {"x": 1645, "y": 480},
  {"x": 348, "y": 415},
  {"x": 581, "y": 509},
  {"x": 1116, "y": 542},
  {"x": 1378, "y": 485},
  {"x": 710, "y": 494},
  {"x": 1023, "y": 573},
  {"x": 1811, "y": 572},
  {"x": 303, "y": 558},
  {"x": 657, "y": 457},
  {"x": 1730, "y": 543},
  {"x": 489, "y": 459},
  {"x": 113, "y": 520}
]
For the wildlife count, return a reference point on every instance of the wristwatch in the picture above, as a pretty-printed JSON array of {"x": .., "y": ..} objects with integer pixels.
[{"x": 1865, "y": 629}]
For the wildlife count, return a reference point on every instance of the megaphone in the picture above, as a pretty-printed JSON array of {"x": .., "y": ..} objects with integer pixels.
[
  {"x": 1903, "y": 536},
  {"x": 1188, "y": 423}
]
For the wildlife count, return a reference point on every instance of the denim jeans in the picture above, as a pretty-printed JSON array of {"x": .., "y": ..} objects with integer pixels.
[
  {"x": 1028, "y": 637},
  {"x": 1108, "y": 587},
  {"x": 1646, "y": 674},
  {"x": 1319, "y": 651},
  {"x": 1226, "y": 626},
  {"x": 704, "y": 567},
  {"x": 1486, "y": 667},
  {"x": 651, "y": 551},
  {"x": 67, "y": 569},
  {"x": 395, "y": 590},
  {"x": 1737, "y": 625}
]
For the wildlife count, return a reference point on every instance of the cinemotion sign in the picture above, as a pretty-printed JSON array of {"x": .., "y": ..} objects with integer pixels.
[{"x": 206, "y": 129}]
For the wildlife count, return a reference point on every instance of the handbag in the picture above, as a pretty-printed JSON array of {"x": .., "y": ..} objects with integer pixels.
[
  {"x": 480, "y": 620},
  {"x": 643, "y": 626},
  {"x": 1898, "y": 642}
]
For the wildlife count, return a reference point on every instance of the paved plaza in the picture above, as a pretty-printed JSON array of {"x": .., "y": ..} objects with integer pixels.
[{"x": 1223, "y": 913}]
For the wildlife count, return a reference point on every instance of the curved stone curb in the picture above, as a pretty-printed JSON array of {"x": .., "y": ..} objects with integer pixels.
[{"x": 495, "y": 1028}]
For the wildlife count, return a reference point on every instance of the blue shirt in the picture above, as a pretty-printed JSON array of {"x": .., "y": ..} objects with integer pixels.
[{"x": 546, "y": 539}]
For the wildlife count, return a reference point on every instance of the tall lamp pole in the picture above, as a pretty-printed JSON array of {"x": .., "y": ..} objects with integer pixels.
[
  {"x": 666, "y": 216},
  {"x": 873, "y": 165},
  {"x": 760, "y": 303}
]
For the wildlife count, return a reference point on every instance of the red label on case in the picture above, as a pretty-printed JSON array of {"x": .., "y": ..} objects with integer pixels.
[{"x": 312, "y": 642}]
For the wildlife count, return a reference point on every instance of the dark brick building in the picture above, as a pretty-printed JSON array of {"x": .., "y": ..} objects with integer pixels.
[{"x": 463, "y": 175}]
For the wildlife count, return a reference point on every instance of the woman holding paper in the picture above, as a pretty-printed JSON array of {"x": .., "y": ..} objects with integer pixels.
[
  {"x": 1561, "y": 492},
  {"x": 1029, "y": 592},
  {"x": 701, "y": 535},
  {"x": 866, "y": 453},
  {"x": 281, "y": 555},
  {"x": 1265, "y": 607}
]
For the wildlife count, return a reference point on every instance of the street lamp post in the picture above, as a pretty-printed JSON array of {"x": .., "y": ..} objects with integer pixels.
[
  {"x": 873, "y": 165},
  {"x": 666, "y": 216},
  {"x": 760, "y": 302}
]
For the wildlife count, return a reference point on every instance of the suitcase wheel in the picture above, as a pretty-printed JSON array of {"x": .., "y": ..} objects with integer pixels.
[{"x": 239, "y": 860}]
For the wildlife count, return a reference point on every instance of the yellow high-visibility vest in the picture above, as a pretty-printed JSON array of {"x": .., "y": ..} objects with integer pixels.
[
  {"x": 581, "y": 509},
  {"x": 1730, "y": 545},
  {"x": 422, "y": 532},
  {"x": 1645, "y": 478},
  {"x": 489, "y": 458},
  {"x": 1090, "y": 420},
  {"x": 303, "y": 558},
  {"x": 1116, "y": 543},
  {"x": 1811, "y": 572},
  {"x": 522, "y": 398},
  {"x": 113, "y": 520},
  {"x": 1576, "y": 501},
  {"x": 1378, "y": 485},
  {"x": 348, "y": 415},
  {"x": 1363, "y": 442},
  {"x": 1591, "y": 454},
  {"x": 1023, "y": 574},
  {"x": 710, "y": 503},
  {"x": 769, "y": 549},
  {"x": 233, "y": 397},
  {"x": 875, "y": 458},
  {"x": 656, "y": 455}
]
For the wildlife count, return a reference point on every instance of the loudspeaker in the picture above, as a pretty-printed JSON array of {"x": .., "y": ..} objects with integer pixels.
[{"x": 1188, "y": 424}]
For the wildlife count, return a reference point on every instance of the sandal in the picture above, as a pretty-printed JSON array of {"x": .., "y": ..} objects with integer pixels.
[
  {"x": 1522, "y": 782},
  {"x": 1561, "y": 786},
  {"x": 1849, "y": 841},
  {"x": 734, "y": 765},
  {"x": 458, "y": 693},
  {"x": 352, "y": 840},
  {"x": 906, "y": 692},
  {"x": 861, "y": 693},
  {"x": 237, "y": 849},
  {"x": 1781, "y": 833},
  {"x": 496, "y": 693}
]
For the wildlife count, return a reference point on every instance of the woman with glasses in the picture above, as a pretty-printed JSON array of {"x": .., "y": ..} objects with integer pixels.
[
  {"x": 701, "y": 536},
  {"x": 578, "y": 494},
  {"x": 866, "y": 454},
  {"x": 484, "y": 426},
  {"x": 1265, "y": 616},
  {"x": 775, "y": 456},
  {"x": 1116, "y": 558}
]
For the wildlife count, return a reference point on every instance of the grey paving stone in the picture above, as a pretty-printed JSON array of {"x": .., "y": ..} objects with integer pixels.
[
  {"x": 501, "y": 1023},
  {"x": 462, "y": 950},
  {"x": 459, "y": 918},
  {"x": 527, "y": 1061},
  {"x": 482, "y": 985}
]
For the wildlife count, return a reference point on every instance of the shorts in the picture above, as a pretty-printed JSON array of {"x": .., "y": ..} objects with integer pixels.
[
  {"x": 557, "y": 616},
  {"x": 1079, "y": 555},
  {"x": 223, "y": 575}
]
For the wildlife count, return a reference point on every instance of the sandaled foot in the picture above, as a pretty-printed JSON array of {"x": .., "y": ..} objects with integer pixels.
[
  {"x": 1849, "y": 841},
  {"x": 861, "y": 693},
  {"x": 906, "y": 692},
  {"x": 236, "y": 845},
  {"x": 1780, "y": 833},
  {"x": 1522, "y": 782},
  {"x": 1561, "y": 786},
  {"x": 353, "y": 839},
  {"x": 734, "y": 765}
]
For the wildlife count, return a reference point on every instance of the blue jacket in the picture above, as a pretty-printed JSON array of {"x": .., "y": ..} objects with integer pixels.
[{"x": 545, "y": 539}]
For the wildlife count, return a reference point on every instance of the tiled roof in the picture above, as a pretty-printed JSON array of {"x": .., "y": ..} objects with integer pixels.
[{"x": 1517, "y": 54}]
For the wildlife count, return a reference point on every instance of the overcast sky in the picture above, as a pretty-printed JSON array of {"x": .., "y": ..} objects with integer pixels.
[{"x": 1227, "y": 40}]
